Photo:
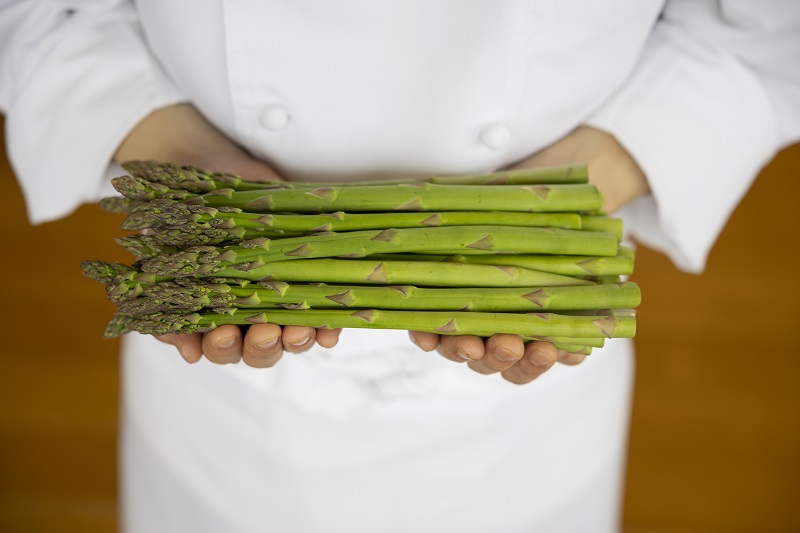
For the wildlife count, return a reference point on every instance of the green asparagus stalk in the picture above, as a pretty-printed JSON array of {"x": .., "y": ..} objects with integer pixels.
[
  {"x": 130, "y": 283},
  {"x": 119, "y": 325},
  {"x": 441, "y": 322},
  {"x": 122, "y": 282},
  {"x": 237, "y": 222},
  {"x": 200, "y": 181},
  {"x": 372, "y": 198},
  {"x": 602, "y": 223},
  {"x": 145, "y": 246},
  {"x": 119, "y": 204},
  {"x": 596, "y": 342},
  {"x": 129, "y": 312},
  {"x": 568, "y": 265},
  {"x": 105, "y": 272},
  {"x": 189, "y": 225},
  {"x": 198, "y": 295},
  {"x": 573, "y": 348},
  {"x": 463, "y": 239}
]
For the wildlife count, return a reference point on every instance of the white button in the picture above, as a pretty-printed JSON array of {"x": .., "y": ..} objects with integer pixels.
[
  {"x": 495, "y": 136},
  {"x": 274, "y": 117}
]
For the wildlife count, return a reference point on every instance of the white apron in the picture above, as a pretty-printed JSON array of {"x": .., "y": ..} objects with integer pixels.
[{"x": 372, "y": 436}]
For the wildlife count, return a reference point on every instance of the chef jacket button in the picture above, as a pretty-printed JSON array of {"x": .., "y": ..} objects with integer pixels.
[
  {"x": 274, "y": 117},
  {"x": 495, "y": 136}
]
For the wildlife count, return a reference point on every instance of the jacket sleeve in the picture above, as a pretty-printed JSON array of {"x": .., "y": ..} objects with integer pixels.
[
  {"x": 715, "y": 95},
  {"x": 75, "y": 77}
]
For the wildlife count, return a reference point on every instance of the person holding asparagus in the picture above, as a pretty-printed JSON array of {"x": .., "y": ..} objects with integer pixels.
[{"x": 674, "y": 106}]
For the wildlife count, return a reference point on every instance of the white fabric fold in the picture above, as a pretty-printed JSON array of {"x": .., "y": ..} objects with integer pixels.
[
  {"x": 699, "y": 115},
  {"x": 71, "y": 94}
]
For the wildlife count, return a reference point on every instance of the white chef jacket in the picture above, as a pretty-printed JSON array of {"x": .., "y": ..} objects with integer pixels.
[{"x": 375, "y": 435}]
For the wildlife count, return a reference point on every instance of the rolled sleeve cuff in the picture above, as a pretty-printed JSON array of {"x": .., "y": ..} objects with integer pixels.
[
  {"x": 701, "y": 127},
  {"x": 82, "y": 89}
]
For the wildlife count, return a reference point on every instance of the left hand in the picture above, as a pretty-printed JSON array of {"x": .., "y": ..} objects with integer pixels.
[{"x": 620, "y": 179}]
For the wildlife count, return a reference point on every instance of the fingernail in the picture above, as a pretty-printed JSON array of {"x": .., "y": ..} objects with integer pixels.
[
  {"x": 298, "y": 342},
  {"x": 541, "y": 358},
  {"x": 266, "y": 345},
  {"x": 226, "y": 343},
  {"x": 460, "y": 353}
]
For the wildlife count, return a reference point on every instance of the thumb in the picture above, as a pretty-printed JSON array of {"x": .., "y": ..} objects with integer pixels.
[
  {"x": 189, "y": 346},
  {"x": 248, "y": 168}
]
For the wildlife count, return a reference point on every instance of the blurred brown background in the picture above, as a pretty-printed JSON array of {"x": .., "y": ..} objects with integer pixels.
[{"x": 715, "y": 438}]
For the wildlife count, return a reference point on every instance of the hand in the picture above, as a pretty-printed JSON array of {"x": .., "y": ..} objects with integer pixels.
[
  {"x": 180, "y": 134},
  {"x": 611, "y": 168},
  {"x": 517, "y": 362},
  {"x": 620, "y": 179}
]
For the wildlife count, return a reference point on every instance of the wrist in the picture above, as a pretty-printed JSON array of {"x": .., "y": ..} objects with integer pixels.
[
  {"x": 180, "y": 134},
  {"x": 611, "y": 167},
  {"x": 615, "y": 172}
]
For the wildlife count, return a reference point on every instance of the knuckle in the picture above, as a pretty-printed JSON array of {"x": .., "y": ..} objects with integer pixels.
[
  {"x": 529, "y": 370},
  {"x": 505, "y": 355},
  {"x": 448, "y": 351},
  {"x": 481, "y": 367}
]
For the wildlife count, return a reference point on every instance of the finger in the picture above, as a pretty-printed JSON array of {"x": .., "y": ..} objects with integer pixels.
[
  {"x": 426, "y": 341},
  {"x": 297, "y": 339},
  {"x": 189, "y": 346},
  {"x": 262, "y": 347},
  {"x": 223, "y": 345},
  {"x": 328, "y": 338},
  {"x": 461, "y": 348},
  {"x": 539, "y": 357},
  {"x": 500, "y": 353},
  {"x": 570, "y": 358}
]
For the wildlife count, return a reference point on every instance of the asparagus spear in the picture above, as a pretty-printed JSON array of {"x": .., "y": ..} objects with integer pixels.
[
  {"x": 464, "y": 239},
  {"x": 189, "y": 225},
  {"x": 594, "y": 342},
  {"x": 573, "y": 348},
  {"x": 119, "y": 325},
  {"x": 371, "y": 198},
  {"x": 421, "y": 197},
  {"x": 602, "y": 223},
  {"x": 105, "y": 272},
  {"x": 119, "y": 204},
  {"x": 568, "y": 265},
  {"x": 145, "y": 246},
  {"x": 193, "y": 179},
  {"x": 197, "y": 295},
  {"x": 237, "y": 221},
  {"x": 442, "y": 322},
  {"x": 123, "y": 282}
]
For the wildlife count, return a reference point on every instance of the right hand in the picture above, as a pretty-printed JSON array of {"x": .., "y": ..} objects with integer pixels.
[{"x": 180, "y": 134}]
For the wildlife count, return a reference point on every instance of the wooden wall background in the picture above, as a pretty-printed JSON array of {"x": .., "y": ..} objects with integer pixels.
[{"x": 715, "y": 438}]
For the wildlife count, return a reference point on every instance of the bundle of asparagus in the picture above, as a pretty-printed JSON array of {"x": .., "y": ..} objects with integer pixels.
[{"x": 526, "y": 252}]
